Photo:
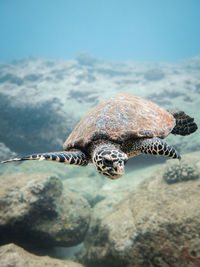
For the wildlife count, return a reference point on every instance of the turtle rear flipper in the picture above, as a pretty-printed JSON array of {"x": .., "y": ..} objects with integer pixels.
[
  {"x": 185, "y": 125},
  {"x": 75, "y": 157}
]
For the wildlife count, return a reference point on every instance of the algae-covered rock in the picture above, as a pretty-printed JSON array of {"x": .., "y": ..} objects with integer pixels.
[
  {"x": 36, "y": 210},
  {"x": 156, "y": 225},
  {"x": 12, "y": 255},
  {"x": 180, "y": 172}
]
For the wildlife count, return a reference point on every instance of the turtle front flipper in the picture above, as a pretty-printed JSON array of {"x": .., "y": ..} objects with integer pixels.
[
  {"x": 156, "y": 146},
  {"x": 75, "y": 157}
]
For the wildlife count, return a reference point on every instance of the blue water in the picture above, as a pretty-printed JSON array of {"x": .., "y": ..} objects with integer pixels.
[{"x": 117, "y": 30}]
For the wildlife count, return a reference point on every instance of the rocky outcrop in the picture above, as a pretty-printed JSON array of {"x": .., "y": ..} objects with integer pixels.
[
  {"x": 36, "y": 210},
  {"x": 12, "y": 255},
  {"x": 156, "y": 225}
]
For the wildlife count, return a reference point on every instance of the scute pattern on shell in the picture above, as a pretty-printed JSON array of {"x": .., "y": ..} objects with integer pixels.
[{"x": 120, "y": 118}]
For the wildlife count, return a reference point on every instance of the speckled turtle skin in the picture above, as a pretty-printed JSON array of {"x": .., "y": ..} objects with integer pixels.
[{"x": 119, "y": 119}]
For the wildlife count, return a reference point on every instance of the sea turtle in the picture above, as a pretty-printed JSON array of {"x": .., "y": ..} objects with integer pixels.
[{"x": 117, "y": 129}]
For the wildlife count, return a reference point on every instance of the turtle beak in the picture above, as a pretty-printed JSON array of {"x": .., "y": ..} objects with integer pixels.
[
  {"x": 120, "y": 170},
  {"x": 119, "y": 167}
]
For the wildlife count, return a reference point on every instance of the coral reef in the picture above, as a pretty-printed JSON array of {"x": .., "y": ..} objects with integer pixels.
[{"x": 180, "y": 173}]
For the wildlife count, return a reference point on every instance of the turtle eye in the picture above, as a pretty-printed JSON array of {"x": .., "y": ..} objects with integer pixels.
[{"x": 107, "y": 162}]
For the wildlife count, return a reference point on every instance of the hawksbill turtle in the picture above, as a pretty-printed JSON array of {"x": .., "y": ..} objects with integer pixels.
[{"x": 118, "y": 129}]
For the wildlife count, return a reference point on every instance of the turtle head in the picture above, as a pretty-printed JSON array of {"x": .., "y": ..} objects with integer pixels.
[{"x": 109, "y": 161}]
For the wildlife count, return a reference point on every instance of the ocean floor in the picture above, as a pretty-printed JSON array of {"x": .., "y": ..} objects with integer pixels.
[{"x": 104, "y": 221}]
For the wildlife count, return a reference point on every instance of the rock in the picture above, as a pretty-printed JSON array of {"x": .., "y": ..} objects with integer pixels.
[
  {"x": 30, "y": 121},
  {"x": 12, "y": 255},
  {"x": 36, "y": 210},
  {"x": 156, "y": 225}
]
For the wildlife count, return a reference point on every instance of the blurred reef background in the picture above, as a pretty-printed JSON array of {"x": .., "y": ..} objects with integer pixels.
[
  {"x": 41, "y": 100},
  {"x": 150, "y": 217}
]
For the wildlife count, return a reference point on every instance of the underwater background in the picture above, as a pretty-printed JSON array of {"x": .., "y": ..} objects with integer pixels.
[{"x": 58, "y": 59}]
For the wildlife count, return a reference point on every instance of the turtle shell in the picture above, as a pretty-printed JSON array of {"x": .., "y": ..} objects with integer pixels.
[{"x": 118, "y": 119}]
